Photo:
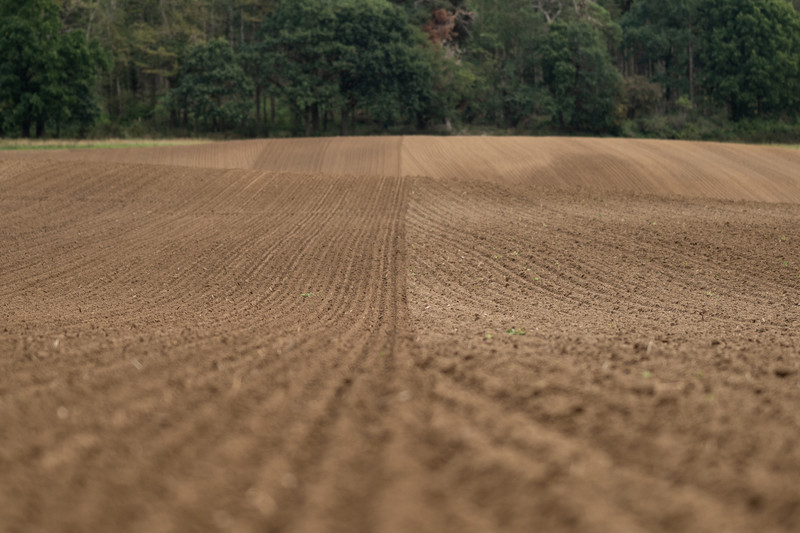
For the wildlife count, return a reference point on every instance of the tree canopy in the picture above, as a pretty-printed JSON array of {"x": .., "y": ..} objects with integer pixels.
[
  {"x": 47, "y": 76},
  {"x": 583, "y": 83},
  {"x": 683, "y": 68},
  {"x": 751, "y": 56},
  {"x": 213, "y": 90},
  {"x": 323, "y": 55}
]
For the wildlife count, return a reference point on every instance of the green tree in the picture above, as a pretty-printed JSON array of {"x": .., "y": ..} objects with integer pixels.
[
  {"x": 381, "y": 66},
  {"x": 506, "y": 54},
  {"x": 213, "y": 92},
  {"x": 348, "y": 55},
  {"x": 584, "y": 84},
  {"x": 76, "y": 77},
  {"x": 751, "y": 56},
  {"x": 46, "y": 75},
  {"x": 455, "y": 86},
  {"x": 662, "y": 38},
  {"x": 300, "y": 58}
]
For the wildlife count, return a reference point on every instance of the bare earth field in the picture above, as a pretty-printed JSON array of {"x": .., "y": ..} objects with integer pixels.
[{"x": 401, "y": 335}]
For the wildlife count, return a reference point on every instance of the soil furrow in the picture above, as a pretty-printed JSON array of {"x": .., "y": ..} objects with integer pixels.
[{"x": 297, "y": 335}]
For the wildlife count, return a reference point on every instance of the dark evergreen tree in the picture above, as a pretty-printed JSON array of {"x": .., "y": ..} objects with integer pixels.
[
  {"x": 47, "y": 76},
  {"x": 661, "y": 39},
  {"x": 381, "y": 66},
  {"x": 584, "y": 84},
  {"x": 300, "y": 57},
  {"x": 751, "y": 56},
  {"x": 213, "y": 94},
  {"x": 346, "y": 55},
  {"x": 506, "y": 53}
]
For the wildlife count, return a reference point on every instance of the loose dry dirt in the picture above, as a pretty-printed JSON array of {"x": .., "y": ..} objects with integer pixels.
[{"x": 326, "y": 335}]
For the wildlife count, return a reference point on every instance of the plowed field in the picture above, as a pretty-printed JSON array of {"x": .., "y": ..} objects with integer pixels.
[{"x": 402, "y": 335}]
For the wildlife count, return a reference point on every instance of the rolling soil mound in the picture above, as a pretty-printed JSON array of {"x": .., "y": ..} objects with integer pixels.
[
  {"x": 664, "y": 168},
  {"x": 401, "y": 334}
]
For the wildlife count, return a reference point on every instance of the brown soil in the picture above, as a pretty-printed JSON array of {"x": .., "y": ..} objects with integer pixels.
[
  {"x": 665, "y": 168},
  {"x": 313, "y": 335}
]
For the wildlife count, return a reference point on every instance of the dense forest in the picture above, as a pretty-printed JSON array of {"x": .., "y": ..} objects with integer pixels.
[{"x": 700, "y": 69}]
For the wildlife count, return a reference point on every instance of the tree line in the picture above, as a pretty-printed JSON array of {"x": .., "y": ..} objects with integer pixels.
[{"x": 682, "y": 68}]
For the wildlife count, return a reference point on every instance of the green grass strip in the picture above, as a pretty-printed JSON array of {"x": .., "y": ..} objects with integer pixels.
[{"x": 58, "y": 144}]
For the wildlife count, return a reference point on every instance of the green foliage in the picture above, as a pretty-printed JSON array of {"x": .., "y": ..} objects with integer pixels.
[
  {"x": 76, "y": 75},
  {"x": 455, "y": 86},
  {"x": 381, "y": 66},
  {"x": 46, "y": 76},
  {"x": 716, "y": 127},
  {"x": 213, "y": 92},
  {"x": 300, "y": 56},
  {"x": 664, "y": 34},
  {"x": 751, "y": 56},
  {"x": 506, "y": 55},
  {"x": 726, "y": 69},
  {"x": 348, "y": 55},
  {"x": 583, "y": 83},
  {"x": 640, "y": 96}
]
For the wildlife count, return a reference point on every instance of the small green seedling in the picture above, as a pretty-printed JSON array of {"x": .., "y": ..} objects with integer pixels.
[
  {"x": 307, "y": 294},
  {"x": 516, "y": 331},
  {"x": 646, "y": 374},
  {"x": 489, "y": 336}
]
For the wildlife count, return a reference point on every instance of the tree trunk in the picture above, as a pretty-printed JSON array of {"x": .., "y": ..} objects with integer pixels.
[
  {"x": 691, "y": 66},
  {"x": 344, "y": 121},
  {"x": 119, "y": 94},
  {"x": 40, "y": 128},
  {"x": 272, "y": 110},
  {"x": 153, "y": 90},
  {"x": 307, "y": 121},
  {"x": 212, "y": 29},
  {"x": 315, "y": 119},
  {"x": 89, "y": 24},
  {"x": 258, "y": 105}
]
